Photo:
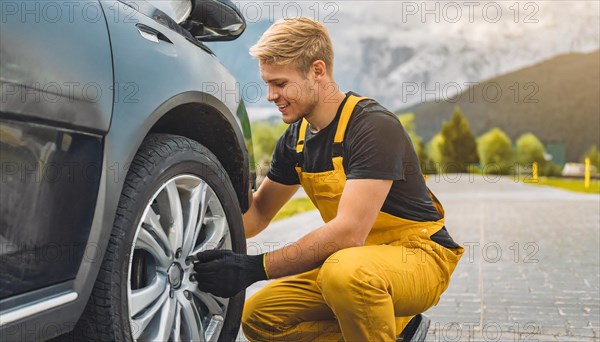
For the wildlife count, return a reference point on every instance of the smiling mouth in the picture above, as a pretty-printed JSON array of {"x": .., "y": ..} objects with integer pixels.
[{"x": 283, "y": 107}]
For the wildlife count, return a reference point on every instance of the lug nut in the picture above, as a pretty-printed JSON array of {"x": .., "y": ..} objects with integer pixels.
[
  {"x": 190, "y": 260},
  {"x": 178, "y": 253},
  {"x": 192, "y": 277},
  {"x": 187, "y": 294}
]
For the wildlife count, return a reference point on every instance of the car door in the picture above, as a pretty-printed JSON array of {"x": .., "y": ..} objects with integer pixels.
[{"x": 56, "y": 83}]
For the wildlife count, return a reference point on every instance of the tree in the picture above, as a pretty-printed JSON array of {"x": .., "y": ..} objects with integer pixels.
[
  {"x": 264, "y": 138},
  {"x": 594, "y": 156},
  {"x": 408, "y": 122},
  {"x": 434, "y": 149},
  {"x": 459, "y": 148},
  {"x": 495, "y": 151},
  {"x": 530, "y": 149}
]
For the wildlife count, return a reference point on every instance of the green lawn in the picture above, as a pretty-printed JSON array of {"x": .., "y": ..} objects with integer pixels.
[
  {"x": 570, "y": 184},
  {"x": 294, "y": 207}
]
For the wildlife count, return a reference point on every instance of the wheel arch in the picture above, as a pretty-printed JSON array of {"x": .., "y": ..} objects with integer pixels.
[{"x": 205, "y": 119}]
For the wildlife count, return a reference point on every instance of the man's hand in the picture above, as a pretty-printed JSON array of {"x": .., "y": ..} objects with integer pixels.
[{"x": 225, "y": 273}]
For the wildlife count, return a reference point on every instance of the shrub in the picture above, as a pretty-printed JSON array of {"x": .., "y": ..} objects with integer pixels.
[
  {"x": 594, "y": 156},
  {"x": 434, "y": 149},
  {"x": 530, "y": 149},
  {"x": 408, "y": 122},
  {"x": 495, "y": 151},
  {"x": 264, "y": 138},
  {"x": 549, "y": 169}
]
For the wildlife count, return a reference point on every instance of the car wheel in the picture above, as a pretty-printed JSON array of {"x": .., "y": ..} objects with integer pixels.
[{"x": 177, "y": 200}]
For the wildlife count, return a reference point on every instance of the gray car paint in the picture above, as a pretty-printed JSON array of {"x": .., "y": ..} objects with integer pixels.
[{"x": 139, "y": 101}]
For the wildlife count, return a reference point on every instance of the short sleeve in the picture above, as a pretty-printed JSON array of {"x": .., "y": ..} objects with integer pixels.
[
  {"x": 375, "y": 146},
  {"x": 283, "y": 163}
]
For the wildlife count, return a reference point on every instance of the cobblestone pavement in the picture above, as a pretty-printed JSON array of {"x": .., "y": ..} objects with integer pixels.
[{"x": 530, "y": 271}]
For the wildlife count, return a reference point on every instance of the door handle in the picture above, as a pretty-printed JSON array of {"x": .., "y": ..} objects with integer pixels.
[{"x": 152, "y": 34}]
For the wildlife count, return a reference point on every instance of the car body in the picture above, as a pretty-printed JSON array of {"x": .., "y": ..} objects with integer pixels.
[
  {"x": 577, "y": 170},
  {"x": 83, "y": 84}
]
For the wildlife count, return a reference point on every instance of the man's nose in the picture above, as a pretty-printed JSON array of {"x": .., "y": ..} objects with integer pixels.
[{"x": 272, "y": 95}]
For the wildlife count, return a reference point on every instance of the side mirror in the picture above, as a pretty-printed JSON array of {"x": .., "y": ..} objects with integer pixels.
[{"x": 215, "y": 20}]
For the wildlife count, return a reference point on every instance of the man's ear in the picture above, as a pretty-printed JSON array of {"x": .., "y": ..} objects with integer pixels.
[{"x": 319, "y": 69}]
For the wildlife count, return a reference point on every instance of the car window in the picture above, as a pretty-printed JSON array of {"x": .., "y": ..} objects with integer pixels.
[{"x": 178, "y": 10}]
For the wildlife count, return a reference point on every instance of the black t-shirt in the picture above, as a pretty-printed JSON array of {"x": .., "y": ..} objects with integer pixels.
[{"x": 376, "y": 146}]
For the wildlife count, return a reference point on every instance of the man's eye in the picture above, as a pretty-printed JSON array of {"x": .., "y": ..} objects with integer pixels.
[{"x": 280, "y": 84}]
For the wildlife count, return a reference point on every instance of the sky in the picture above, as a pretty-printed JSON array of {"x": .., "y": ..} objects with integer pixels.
[{"x": 385, "y": 45}]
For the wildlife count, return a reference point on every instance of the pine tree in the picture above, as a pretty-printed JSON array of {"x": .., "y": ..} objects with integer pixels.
[{"x": 459, "y": 148}]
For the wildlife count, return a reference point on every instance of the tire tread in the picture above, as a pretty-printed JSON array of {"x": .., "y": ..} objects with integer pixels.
[{"x": 101, "y": 320}]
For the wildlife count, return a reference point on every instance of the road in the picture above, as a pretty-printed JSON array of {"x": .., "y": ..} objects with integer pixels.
[{"x": 530, "y": 271}]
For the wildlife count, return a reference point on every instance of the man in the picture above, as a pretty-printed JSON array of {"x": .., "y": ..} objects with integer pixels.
[{"x": 383, "y": 255}]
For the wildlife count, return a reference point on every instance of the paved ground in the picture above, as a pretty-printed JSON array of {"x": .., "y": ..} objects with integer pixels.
[{"x": 531, "y": 266}]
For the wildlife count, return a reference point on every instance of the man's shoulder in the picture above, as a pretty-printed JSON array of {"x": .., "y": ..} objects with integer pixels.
[{"x": 371, "y": 111}]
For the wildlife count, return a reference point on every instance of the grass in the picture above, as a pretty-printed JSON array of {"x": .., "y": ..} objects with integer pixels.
[
  {"x": 576, "y": 185},
  {"x": 294, "y": 207}
]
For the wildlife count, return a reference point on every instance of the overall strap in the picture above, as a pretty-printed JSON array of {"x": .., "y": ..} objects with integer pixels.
[
  {"x": 301, "y": 136},
  {"x": 339, "y": 133},
  {"x": 345, "y": 117},
  {"x": 338, "y": 140}
]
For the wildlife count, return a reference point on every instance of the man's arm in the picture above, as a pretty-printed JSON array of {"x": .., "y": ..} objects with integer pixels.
[
  {"x": 359, "y": 206},
  {"x": 225, "y": 273},
  {"x": 266, "y": 202}
]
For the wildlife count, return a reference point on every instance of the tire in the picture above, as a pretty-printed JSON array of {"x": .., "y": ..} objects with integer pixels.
[{"x": 113, "y": 311}]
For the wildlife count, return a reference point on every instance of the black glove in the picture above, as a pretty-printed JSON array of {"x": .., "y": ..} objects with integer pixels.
[{"x": 225, "y": 273}]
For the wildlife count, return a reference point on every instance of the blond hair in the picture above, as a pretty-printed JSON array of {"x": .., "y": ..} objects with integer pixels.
[{"x": 296, "y": 41}]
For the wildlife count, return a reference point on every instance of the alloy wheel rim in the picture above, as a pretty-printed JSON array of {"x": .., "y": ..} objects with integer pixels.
[{"x": 182, "y": 218}]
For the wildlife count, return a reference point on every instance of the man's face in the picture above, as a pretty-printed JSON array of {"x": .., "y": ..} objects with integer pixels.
[{"x": 293, "y": 93}]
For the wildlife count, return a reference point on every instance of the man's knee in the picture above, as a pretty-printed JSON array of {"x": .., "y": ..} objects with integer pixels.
[
  {"x": 254, "y": 323},
  {"x": 247, "y": 314},
  {"x": 343, "y": 276},
  {"x": 262, "y": 319}
]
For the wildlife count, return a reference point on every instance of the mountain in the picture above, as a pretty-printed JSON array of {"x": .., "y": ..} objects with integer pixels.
[
  {"x": 558, "y": 100},
  {"x": 385, "y": 48},
  {"x": 404, "y": 52},
  {"x": 396, "y": 53}
]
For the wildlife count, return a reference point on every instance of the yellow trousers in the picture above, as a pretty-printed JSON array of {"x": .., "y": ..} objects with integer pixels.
[{"x": 361, "y": 294}]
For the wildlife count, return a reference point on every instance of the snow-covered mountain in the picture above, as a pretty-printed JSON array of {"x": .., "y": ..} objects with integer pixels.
[{"x": 405, "y": 52}]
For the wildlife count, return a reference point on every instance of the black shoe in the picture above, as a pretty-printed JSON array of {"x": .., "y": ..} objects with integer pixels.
[{"x": 415, "y": 330}]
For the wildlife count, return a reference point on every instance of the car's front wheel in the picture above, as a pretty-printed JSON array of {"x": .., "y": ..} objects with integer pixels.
[{"x": 177, "y": 201}]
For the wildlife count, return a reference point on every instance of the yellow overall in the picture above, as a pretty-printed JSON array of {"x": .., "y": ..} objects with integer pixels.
[{"x": 366, "y": 293}]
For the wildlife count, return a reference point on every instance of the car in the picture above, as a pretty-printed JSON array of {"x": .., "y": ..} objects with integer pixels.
[
  {"x": 125, "y": 149},
  {"x": 577, "y": 170}
]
